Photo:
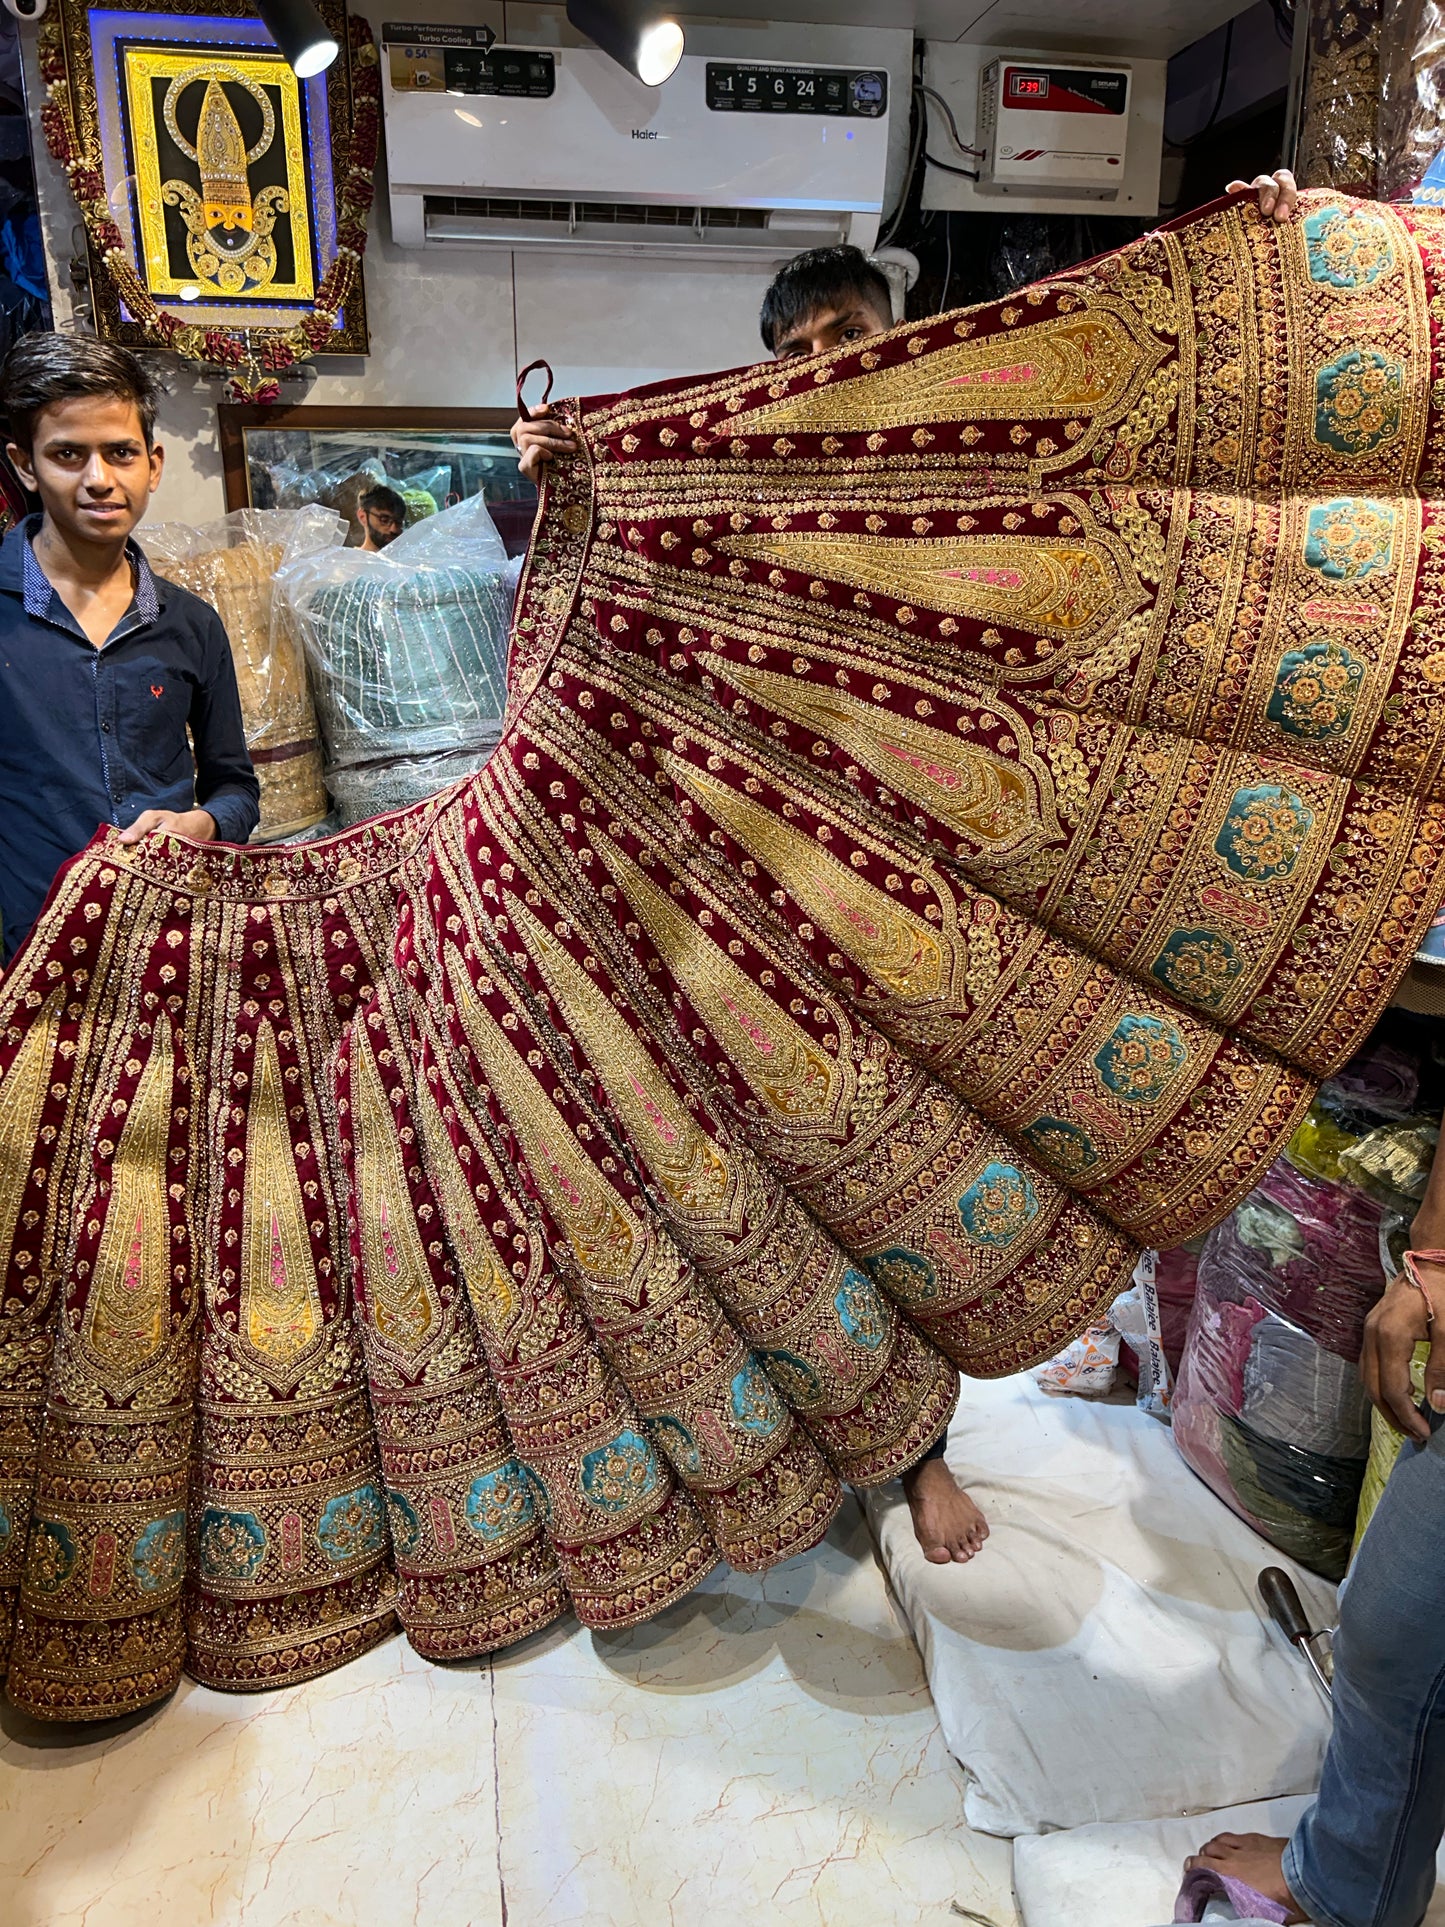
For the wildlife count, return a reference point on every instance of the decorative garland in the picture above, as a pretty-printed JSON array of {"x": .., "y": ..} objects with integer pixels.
[{"x": 249, "y": 350}]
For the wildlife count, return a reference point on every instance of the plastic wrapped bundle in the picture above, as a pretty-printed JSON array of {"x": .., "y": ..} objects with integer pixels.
[
  {"x": 1269, "y": 1409},
  {"x": 232, "y": 564},
  {"x": 408, "y": 656}
]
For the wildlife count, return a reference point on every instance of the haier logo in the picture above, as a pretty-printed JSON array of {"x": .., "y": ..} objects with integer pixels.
[{"x": 645, "y": 134}]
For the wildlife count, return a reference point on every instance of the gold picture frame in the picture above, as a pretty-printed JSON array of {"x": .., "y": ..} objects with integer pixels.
[{"x": 222, "y": 170}]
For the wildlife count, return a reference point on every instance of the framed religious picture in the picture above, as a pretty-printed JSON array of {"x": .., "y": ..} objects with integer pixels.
[{"x": 225, "y": 199}]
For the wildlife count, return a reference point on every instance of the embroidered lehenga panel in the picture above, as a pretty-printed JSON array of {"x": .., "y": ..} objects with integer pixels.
[{"x": 957, "y": 799}]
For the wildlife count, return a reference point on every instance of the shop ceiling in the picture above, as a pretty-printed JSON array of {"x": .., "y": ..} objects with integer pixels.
[{"x": 1146, "y": 29}]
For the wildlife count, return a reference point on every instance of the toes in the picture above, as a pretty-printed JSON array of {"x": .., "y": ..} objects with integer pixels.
[{"x": 938, "y": 1555}]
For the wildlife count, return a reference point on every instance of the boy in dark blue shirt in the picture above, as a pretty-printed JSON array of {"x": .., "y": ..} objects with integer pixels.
[{"x": 104, "y": 667}]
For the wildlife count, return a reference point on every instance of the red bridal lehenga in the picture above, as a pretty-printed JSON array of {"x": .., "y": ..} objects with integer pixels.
[{"x": 958, "y": 797}]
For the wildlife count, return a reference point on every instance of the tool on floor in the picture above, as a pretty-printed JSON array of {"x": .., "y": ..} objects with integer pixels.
[{"x": 1285, "y": 1607}]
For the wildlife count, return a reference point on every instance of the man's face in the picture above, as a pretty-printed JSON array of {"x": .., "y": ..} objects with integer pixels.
[
  {"x": 380, "y": 524},
  {"x": 90, "y": 467},
  {"x": 852, "y": 319}
]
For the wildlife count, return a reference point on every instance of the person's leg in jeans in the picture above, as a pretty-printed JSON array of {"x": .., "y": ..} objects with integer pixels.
[{"x": 1364, "y": 1854}]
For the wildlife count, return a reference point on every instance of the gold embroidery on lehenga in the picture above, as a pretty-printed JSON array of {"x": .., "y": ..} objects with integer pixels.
[
  {"x": 683, "y": 1159},
  {"x": 1092, "y": 366},
  {"x": 607, "y": 1239},
  {"x": 793, "y": 1076},
  {"x": 491, "y": 1291},
  {"x": 127, "y": 1321},
  {"x": 901, "y": 953},
  {"x": 280, "y": 1298},
  {"x": 1054, "y": 587},
  {"x": 401, "y": 1297},
  {"x": 22, "y": 1099},
  {"x": 998, "y": 804}
]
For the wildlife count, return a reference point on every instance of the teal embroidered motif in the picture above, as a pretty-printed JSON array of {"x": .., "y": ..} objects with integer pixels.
[
  {"x": 1315, "y": 691},
  {"x": 405, "y": 1525},
  {"x": 905, "y": 1275},
  {"x": 352, "y": 1525},
  {"x": 1140, "y": 1058},
  {"x": 799, "y": 1383},
  {"x": 679, "y": 1444},
  {"x": 1350, "y": 538},
  {"x": 756, "y": 1406},
  {"x": 501, "y": 1502},
  {"x": 1347, "y": 248},
  {"x": 1199, "y": 966},
  {"x": 618, "y": 1475},
  {"x": 158, "y": 1557},
  {"x": 1359, "y": 401},
  {"x": 998, "y": 1205},
  {"x": 232, "y": 1544},
  {"x": 860, "y": 1311},
  {"x": 53, "y": 1556},
  {"x": 1265, "y": 828},
  {"x": 1061, "y": 1145}
]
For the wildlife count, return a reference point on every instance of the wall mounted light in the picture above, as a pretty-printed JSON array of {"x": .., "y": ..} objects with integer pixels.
[
  {"x": 637, "y": 36},
  {"x": 305, "y": 40}
]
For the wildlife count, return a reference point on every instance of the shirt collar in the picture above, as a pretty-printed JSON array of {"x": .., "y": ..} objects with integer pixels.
[{"x": 37, "y": 591}]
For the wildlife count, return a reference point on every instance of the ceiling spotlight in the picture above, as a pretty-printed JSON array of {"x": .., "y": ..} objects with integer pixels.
[
  {"x": 305, "y": 40},
  {"x": 638, "y": 37}
]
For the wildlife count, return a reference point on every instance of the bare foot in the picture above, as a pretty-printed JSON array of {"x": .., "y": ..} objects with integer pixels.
[
  {"x": 947, "y": 1523},
  {"x": 1253, "y": 1858}
]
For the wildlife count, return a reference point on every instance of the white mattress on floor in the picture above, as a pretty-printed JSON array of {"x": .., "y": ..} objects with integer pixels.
[
  {"x": 1128, "y": 1876},
  {"x": 1105, "y": 1658}
]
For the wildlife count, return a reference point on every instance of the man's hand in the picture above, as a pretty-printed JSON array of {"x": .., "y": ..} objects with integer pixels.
[
  {"x": 540, "y": 441},
  {"x": 1278, "y": 195},
  {"x": 197, "y": 825},
  {"x": 1393, "y": 1329}
]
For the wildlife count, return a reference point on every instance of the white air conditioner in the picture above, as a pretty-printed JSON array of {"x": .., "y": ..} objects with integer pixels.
[{"x": 730, "y": 159}]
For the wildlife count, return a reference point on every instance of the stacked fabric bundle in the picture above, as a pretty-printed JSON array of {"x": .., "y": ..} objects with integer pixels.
[
  {"x": 232, "y": 565},
  {"x": 1269, "y": 1409},
  {"x": 408, "y": 657}
]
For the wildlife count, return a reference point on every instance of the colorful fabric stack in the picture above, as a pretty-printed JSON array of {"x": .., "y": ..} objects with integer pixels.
[
  {"x": 1269, "y": 1408},
  {"x": 958, "y": 798}
]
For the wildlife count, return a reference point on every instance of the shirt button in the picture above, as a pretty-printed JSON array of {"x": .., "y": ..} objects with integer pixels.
[{"x": 106, "y": 728}]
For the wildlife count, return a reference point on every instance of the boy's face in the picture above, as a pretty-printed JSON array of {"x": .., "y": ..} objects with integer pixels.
[
  {"x": 852, "y": 319},
  {"x": 90, "y": 467}
]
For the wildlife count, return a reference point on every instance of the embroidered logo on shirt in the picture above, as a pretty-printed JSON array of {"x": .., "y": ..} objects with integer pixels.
[{"x": 158, "y": 689}]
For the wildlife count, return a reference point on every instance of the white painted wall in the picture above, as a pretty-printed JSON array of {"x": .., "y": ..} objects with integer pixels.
[{"x": 451, "y": 329}]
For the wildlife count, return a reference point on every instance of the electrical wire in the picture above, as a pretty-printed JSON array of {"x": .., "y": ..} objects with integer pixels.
[
  {"x": 947, "y": 262},
  {"x": 961, "y": 144},
  {"x": 968, "y": 173},
  {"x": 1183, "y": 147},
  {"x": 915, "y": 148}
]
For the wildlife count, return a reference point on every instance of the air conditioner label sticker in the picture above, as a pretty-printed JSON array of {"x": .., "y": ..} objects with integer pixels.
[{"x": 421, "y": 34}]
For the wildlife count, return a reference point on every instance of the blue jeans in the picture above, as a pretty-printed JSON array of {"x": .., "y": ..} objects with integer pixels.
[{"x": 1364, "y": 1854}]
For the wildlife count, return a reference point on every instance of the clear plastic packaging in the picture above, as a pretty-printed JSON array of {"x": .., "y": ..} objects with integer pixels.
[
  {"x": 1269, "y": 1409},
  {"x": 408, "y": 654},
  {"x": 1085, "y": 1368},
  {"x": 232, "y": 564},
  {"x": 1412, "y": 94},
  {"x": 1339, "y": 131},
  {"x": 375, "y": 789}
]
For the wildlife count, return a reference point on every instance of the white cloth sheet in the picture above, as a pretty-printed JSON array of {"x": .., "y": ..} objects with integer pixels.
[
  {"x": 1127, "y": 1876},
  {"x": 1106, "y": 1657}
]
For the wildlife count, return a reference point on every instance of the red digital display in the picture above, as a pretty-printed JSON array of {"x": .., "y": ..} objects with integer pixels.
[{"x": 1030, "y": 84}]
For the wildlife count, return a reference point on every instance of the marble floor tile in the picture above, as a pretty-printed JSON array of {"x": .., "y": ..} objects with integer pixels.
[{"x": 767, "y": 1749}]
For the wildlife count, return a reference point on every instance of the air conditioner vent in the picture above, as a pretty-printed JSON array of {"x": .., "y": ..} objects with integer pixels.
[{"x": 594, "y": 213}]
